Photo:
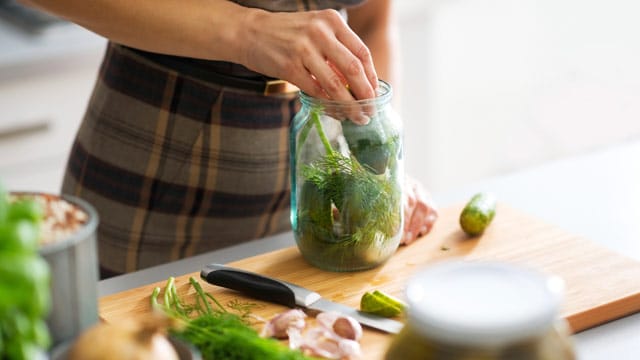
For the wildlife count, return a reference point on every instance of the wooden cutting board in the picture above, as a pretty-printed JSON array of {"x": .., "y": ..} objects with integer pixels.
[{"x": 600, "y": 285}]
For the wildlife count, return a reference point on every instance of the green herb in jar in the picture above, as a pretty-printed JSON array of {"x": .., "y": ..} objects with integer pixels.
[{"x": 346, "y": 211}]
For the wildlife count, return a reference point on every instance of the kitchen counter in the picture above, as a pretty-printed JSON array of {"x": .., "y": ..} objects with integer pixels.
[{"x": 594, "y": 195}]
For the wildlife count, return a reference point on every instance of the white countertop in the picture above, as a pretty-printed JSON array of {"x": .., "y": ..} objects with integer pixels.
[{"x": 595, "y": 195}]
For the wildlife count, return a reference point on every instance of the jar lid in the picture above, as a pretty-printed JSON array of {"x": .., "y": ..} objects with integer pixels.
[{"x": 482, "y": 303}]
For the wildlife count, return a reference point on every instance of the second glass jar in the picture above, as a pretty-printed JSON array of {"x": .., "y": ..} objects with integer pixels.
[
  {"x": 480, "y": 310},
  {"x": 346, "y": 181}
]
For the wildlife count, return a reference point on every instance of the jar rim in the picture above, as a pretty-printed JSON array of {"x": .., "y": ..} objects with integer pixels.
[
  {"x": 384, "y": 92},
  {"x": 482, "y": 303}
]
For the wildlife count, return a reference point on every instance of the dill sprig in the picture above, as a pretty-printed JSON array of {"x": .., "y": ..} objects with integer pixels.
[
  {"x": 362, "y": 198},
  {"x": 217, "y": 332},
  {"x": 243, "y": 309}
]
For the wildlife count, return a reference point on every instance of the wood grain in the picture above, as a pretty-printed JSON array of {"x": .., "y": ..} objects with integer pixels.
[{"x": 600, "y": 285}]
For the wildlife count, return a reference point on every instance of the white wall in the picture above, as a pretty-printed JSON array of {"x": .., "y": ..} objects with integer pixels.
[
  {"x": 45, "y": 83},
  {"x": 491, "y": 86}
]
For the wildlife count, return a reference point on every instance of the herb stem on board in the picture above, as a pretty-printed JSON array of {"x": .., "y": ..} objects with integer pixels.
[{"x": 218, "y": 333}]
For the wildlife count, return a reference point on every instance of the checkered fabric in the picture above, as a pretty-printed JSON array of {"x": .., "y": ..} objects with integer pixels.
[{"x": 177, "y": 166}]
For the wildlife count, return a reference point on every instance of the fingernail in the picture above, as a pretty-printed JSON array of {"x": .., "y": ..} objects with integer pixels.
[{"x": 362, "y": 119}]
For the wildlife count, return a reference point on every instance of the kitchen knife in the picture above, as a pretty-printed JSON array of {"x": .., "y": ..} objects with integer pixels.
[{"x": 291, "y": 295}]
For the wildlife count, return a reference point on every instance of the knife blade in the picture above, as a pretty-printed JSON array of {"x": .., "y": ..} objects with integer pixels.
[{"x": 288, "y": 294}]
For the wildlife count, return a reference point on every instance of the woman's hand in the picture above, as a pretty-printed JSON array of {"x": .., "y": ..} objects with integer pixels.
[
  {"x": 316, "y": 51},
  {"x": 419, "y": 212}
]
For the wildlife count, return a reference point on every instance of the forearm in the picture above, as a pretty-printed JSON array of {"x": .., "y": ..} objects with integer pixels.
[{"x": 207, "y": 29}]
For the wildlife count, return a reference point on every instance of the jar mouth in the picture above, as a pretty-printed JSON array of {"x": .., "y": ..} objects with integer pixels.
[{"x": 384, "y": 93}]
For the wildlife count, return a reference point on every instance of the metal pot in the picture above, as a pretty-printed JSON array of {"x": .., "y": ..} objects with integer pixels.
[{"x": 74, "y": 278}]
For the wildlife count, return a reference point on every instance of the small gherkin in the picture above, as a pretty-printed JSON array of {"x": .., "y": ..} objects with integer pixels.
[{"x": 368, "y": 143}]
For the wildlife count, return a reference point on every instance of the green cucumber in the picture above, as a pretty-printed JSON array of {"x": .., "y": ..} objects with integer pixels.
[
  {"x": 368, "y": 143},
  {"x": 315, "y": 205},
  {"x": 478, "y": 214}
]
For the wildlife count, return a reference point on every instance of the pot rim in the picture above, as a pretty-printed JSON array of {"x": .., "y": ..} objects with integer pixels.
[{"x": 82, "y": 234}]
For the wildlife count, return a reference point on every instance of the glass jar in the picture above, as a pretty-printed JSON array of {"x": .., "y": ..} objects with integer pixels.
[
  {"x": 486, "y": 311},
  {"x": 346, "y": 181}
]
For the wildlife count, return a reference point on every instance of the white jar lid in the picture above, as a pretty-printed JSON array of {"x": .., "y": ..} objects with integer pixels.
[{"x": 482, "y": 303}]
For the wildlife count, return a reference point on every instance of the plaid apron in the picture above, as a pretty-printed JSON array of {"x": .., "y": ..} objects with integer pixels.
[{"x": 176, "y": 166}]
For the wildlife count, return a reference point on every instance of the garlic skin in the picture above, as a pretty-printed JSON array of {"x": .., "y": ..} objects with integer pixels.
[
  {"x": 334, "y": 336},
  {"x": 322, "y": 342},
  {"x": 284, "y": 323},
  {"x": 348, "y": 328},
  {"x": 342, "y": 325}
]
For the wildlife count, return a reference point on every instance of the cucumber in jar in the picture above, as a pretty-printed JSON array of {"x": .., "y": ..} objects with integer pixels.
[
  {"x": 314, "y": 213},
  {"x": 368, "y": 143}
]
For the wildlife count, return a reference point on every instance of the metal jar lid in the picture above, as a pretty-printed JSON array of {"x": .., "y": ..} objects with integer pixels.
[{"x": 484, "y": 304}]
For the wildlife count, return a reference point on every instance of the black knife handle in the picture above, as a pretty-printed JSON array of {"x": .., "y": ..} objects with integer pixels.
[{"x": 249, "y": 283}]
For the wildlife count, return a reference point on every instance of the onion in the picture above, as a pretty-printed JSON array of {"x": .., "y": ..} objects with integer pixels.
[{"x": 126, "y": 340}]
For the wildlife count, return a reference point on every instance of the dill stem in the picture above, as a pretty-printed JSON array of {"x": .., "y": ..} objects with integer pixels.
[
  {"x": 216, "y": 302},
  {"x": 196, "y": 285},
  {"x": 176, "y": 299},
  {"x": 167, "y": 293},
  {"x": 201, "y": 294},
  {"x": 325, "y": 141},
  {"x": 154, "y": 298}
]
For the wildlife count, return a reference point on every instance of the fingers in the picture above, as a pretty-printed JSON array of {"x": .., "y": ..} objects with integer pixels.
[
  {"x": 357, "y": 65},
  {"x": 419, "y": 214},
  {"x": 409, "y": 206},
  {"x": 315, "y": 50},
  {"x": 331, "y": 84},
  {"x": 340, "y": 61},
  {"x": 352, "y": 70},
  {"x": 418, "y": 225},
  {"x": 329, "y": 80}
]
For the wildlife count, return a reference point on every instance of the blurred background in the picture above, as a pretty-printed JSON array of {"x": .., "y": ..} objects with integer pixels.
[{"x": 489, "y": 86}]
